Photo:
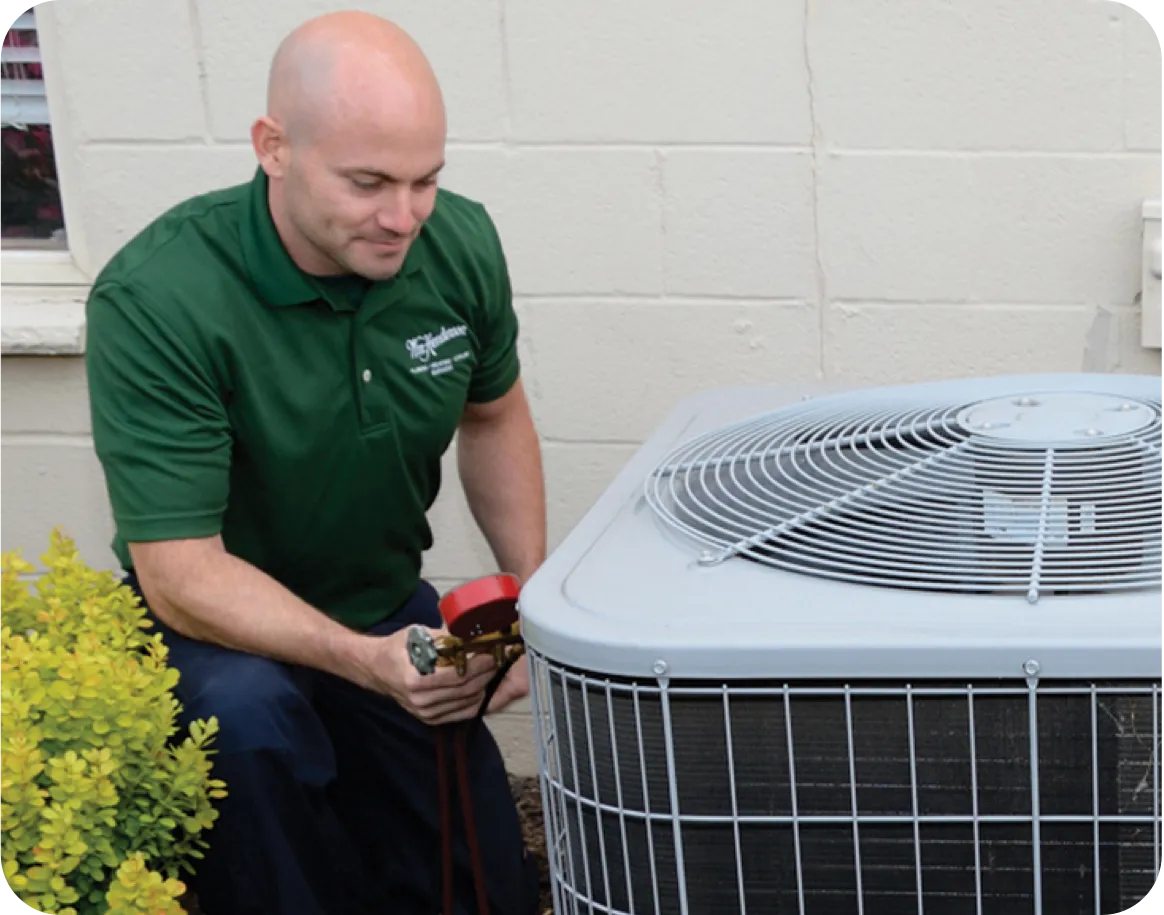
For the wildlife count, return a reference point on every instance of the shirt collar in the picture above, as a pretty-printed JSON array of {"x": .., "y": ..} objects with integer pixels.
[{"x": 276, "y": 276}]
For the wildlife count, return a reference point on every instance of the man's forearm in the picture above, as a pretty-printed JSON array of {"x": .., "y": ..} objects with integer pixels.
[
  {"x": 204, "y": 593},
  {"x": 501, "y": 471}
]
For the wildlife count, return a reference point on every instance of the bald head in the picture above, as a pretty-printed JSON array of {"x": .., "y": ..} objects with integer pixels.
[
  {"x": 352, "y": 143},
  {"x": 349, "y": 65}
]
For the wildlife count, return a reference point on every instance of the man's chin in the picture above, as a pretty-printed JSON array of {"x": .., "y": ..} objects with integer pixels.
[{"x": 383, "y": 267}]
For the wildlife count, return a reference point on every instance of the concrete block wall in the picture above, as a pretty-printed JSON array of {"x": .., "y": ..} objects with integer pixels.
[{"x": 690, "y": 194}]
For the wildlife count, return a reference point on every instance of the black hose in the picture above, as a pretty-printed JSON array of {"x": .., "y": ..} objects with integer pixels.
[{"x": 494, "y": 683}]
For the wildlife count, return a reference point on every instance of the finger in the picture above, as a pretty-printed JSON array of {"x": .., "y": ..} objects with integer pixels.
[
  {"x": 453, "y": 718},
  {"x": 449, "y": 682},
  {"x": 448, "y": 678},
  {"x": 470, "y": 691},
  {"x": 445, "y": 677},
  {"x": 446, "y": 713},
  {"x": 474, "y": 666},
  {"x": 480, "y": 663},
  {"x": 506, "y": 695},
  {"x": 499, "y": 701},
  {"x": 452, "y": 713}
]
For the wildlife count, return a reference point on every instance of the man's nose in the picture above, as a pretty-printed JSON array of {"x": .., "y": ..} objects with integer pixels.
[{"x": 397, "y": 216}]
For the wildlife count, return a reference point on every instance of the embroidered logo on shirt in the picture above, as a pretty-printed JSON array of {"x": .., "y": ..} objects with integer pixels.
[{"x": 423, "y": 350}]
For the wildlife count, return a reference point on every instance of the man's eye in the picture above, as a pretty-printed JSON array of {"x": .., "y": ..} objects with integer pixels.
[{"x": 365, "y": 185}]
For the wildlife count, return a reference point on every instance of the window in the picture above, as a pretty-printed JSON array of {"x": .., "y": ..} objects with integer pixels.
[{"x": 30, "y": 201}]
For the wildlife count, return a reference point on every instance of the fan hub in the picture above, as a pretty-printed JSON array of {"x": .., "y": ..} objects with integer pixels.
[{"x": 1063, "y": 418}]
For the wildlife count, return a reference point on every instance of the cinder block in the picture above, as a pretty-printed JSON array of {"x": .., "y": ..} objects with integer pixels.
[
  {"x": 444, "y": 585},
  {"x": 50, "y": 482},
  {"x": 1141, "y": 82},
  {"x": 128, "y": 69},
  {"x": 576, "y": 474},
  {"x": 44, "y": 394},
  {"x": 480, "y": 173},
  {"x": 122, "y": 190},
  {"x": 572, "y": 220},
  {"x": 739, "y": 222},
  {"x": 992, "y": 74},
  {"x": 461, "y": 40},
  {"x": 889, "y": 344},
  {"x": 611, "y": 370},
  {"x": 1014, "y": 229},
  {"x": 658, "y": 71},
  {"x": 459, "y": 550},
  {"x": 1113, "y": 343}
]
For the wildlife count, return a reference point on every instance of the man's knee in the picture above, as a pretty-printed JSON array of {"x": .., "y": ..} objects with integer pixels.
[{"x": 259, "y": 708}]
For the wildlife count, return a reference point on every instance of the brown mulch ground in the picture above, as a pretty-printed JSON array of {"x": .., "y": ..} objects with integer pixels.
[
  {"x": 528, "y": 797},
  {"x": 529, "y": 810}
]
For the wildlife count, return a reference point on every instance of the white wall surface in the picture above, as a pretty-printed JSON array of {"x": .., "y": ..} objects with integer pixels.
[{"x": 691, "y": 194}]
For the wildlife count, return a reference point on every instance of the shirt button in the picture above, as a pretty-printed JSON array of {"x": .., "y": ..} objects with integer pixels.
[{"x": 367, "y": 375}]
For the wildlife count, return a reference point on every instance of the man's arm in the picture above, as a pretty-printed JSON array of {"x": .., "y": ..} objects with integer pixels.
[
  {"x": 204, "y": 593},
  {"x": 162, "y": 431},
  {"x": 500, "y": 465}
]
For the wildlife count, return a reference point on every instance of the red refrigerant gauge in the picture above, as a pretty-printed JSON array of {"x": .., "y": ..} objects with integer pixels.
[{"x": 481, "y": 607}]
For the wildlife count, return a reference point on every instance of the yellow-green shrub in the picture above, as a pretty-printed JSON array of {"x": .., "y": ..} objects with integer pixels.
[{"x": 101, "y": 808}]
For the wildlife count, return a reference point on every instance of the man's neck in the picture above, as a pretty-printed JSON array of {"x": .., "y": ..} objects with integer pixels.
[{"x": 306, "y": 256}]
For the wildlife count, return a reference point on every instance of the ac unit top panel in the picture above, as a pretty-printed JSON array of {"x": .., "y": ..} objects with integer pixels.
[{"x": 952, "y": 529}]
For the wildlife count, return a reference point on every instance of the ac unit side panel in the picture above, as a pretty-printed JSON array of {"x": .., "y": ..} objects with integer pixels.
[
  {"x": 783, "y": 799},
  {"x": 636, "y": 598},
  {"x": 624, "y": 594}
]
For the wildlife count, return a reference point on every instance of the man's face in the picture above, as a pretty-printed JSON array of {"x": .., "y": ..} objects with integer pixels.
[{"x": 360, "y": 193}]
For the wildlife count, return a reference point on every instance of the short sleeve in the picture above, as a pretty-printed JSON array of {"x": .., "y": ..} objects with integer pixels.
[
  {"x": 498, "y": 365},
  {"x": 160, "y": 426}
]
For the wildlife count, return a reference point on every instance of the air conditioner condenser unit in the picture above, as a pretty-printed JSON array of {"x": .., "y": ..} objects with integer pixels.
[{"x": 888, "y": 650}]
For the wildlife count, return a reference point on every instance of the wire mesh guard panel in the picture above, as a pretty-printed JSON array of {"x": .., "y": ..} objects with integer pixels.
[
  {"x": 830, "y": 799},
  {"x": 1054, "y": 493}
]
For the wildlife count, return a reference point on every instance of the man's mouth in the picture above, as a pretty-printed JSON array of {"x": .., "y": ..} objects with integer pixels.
[{"x": 393, "y": 244}]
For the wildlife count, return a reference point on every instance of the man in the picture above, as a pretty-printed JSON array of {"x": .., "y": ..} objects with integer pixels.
[{"x": 275, "y": 371}]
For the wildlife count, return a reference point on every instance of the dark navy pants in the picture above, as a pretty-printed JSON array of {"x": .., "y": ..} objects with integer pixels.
[{"x": 333, "y": 802}]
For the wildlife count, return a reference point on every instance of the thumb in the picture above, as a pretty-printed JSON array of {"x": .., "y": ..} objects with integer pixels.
[{"x": 499, "y": 701}]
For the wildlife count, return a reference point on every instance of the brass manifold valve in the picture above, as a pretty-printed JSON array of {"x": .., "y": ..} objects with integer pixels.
[{"x": 480, "y": 617}]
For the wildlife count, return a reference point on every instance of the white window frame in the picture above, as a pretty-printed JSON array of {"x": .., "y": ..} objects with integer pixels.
[{"x": 43, "y": 291}]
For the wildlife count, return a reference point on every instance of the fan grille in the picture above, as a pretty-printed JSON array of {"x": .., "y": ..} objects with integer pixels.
[{"x": 1034, "y": 494}]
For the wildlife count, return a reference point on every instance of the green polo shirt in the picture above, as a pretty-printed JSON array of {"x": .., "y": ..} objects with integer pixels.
[{"x": 303, "y": 419}]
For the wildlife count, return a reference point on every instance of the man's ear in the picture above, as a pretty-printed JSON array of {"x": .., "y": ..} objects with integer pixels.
[{"x": 269, "y": 139}]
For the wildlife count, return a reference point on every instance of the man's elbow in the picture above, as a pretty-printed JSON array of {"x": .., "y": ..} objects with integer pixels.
[{"x": 169, "y": 573}]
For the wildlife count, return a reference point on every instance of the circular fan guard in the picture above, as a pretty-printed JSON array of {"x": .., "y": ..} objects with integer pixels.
[{"x": 1037, "y": 493}]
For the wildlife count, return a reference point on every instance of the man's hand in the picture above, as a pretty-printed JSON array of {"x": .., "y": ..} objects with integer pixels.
[
  {"x": 442, "y": 697},
  {"x": 515, "y": 686}
]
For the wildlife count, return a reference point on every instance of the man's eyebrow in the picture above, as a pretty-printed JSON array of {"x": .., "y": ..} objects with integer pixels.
[{"x": 384, "y": 176}]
